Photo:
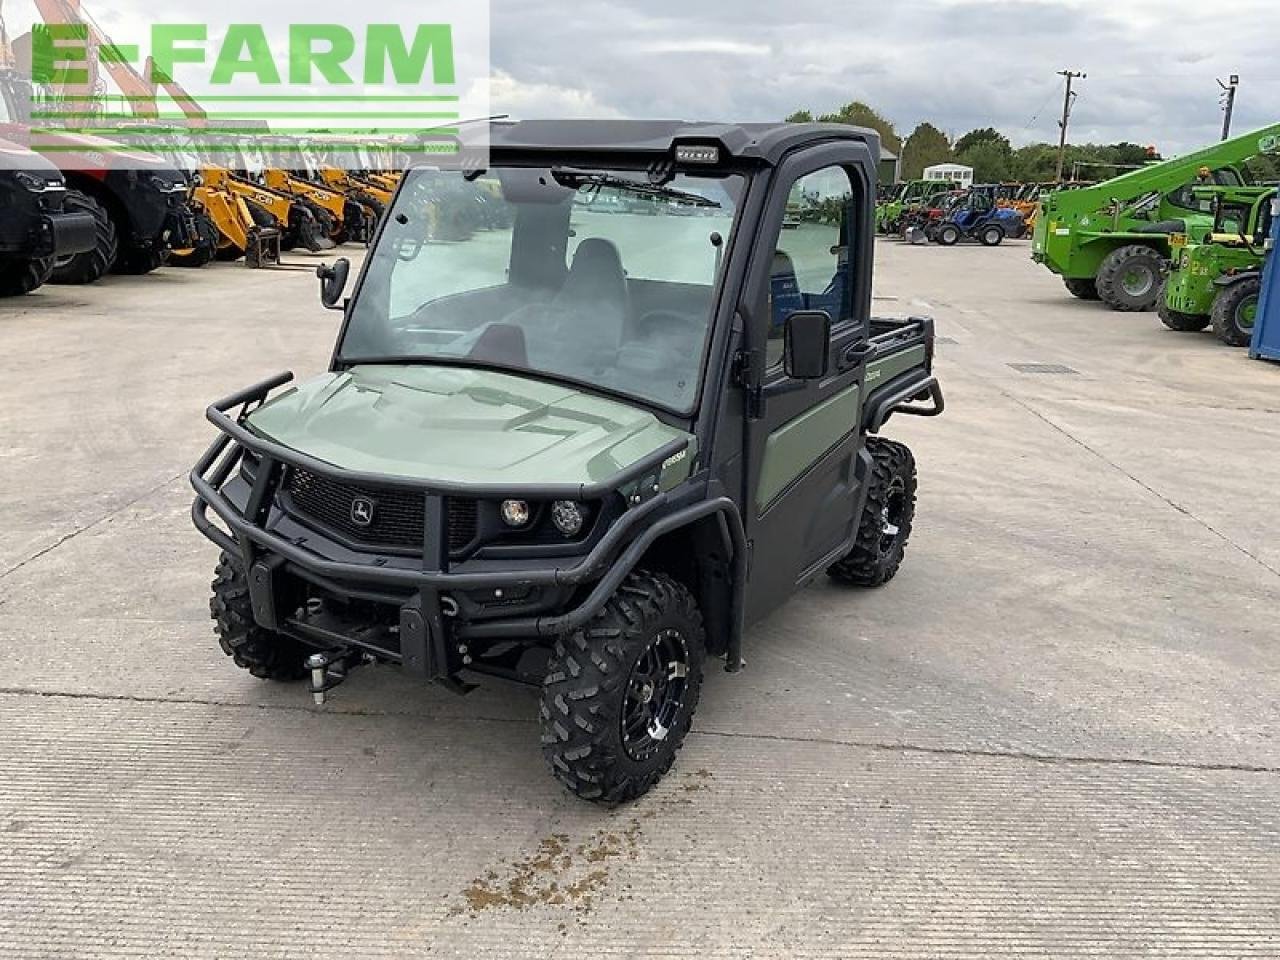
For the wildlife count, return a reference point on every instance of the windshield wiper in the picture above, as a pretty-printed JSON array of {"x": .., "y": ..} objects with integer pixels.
[{"x": 576, "y": 179}]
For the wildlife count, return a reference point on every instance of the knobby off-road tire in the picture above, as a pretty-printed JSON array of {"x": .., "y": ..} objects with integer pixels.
[
  {"x": 885, "y": 524},
  {"x": 88, "y": 266},
  {"x": 264, "y": 653},
  {"x": 22, "y": 276},
  {"x": 1231, "y": 312},
  {"x": 1082, "y": 288},
  {"x": 1176, "y": 319},
  {"x": 620, "y": 693},
  {"x": 1130, "y": 279}
]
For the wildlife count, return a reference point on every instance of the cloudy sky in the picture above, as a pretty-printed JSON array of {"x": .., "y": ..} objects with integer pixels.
[
  {"x": 960, "y": 64},
  {"x": 957, "y": 63}
]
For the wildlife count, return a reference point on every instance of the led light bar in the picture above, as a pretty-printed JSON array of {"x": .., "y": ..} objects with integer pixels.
[{"x": 691, "y": 154}]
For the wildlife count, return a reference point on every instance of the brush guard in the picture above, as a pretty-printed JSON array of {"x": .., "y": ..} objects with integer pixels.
[{"x": 414, "y": 591}]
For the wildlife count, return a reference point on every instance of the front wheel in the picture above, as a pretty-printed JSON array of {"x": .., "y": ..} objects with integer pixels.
[
  {"x": 1235, "y": 311},
  {"x": 22, "y": 276},
  {"x": 948, "y": 235},
  {"x": 206, "y": 248},
  {"x": 620, "y": 693},
  {"x": 885, "y": 524},
  {"x": 89, "y": 265},
  {"x": 264, "y": 653}
]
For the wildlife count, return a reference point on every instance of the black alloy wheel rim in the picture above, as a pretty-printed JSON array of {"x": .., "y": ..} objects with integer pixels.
[
  {"x": 892, "y": 514},
  {"x": 655, "y": 694}
]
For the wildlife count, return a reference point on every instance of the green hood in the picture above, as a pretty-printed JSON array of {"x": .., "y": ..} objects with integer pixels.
[{"x": 460, "y": 425}]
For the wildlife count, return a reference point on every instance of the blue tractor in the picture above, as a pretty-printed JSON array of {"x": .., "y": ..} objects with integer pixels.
[{"x": 976, "y": 216}]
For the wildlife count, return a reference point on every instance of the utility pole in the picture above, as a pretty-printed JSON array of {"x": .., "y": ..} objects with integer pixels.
[
  {"x": 1228, "y": 100},
  {"x": 1067, "y": 102}
]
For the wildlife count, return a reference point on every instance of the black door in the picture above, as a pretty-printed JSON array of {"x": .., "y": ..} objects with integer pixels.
[{"x": 803, "y": 472}]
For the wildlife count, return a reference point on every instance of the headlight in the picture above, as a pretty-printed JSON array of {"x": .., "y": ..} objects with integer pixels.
[
  {"x": 515, "y": 513},
  {"x": 568, "y": 517}
]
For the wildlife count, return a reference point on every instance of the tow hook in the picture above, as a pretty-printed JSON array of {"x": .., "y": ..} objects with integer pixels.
[{"x": 328, "y": 669}]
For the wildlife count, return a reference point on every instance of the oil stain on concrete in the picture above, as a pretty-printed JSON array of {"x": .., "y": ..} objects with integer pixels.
[{"x": 573, "y": 875}]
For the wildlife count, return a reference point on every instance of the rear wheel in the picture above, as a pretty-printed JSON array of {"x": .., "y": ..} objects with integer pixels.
[
  {"x": 1130, "y": 278},
  {"x": 264, "y": 653},
  {"x": 885, "y": 525},
  {"x": 88, "y": 266},
  {"x": 620, "y": 693},
  {"x": 1235, "y": 311},
  {"x": 1082, "y": 288},
  {"x": 22, "y": 276},
  {"x": 991, "y": 236}
]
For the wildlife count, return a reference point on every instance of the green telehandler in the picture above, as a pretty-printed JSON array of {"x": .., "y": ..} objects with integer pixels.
[
  {"x": 1110, "y": 242},
  {"x": 1216, "y": 278}
]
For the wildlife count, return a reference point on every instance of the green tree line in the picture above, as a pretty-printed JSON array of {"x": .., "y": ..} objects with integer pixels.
[{"x": 993, "y": 158}]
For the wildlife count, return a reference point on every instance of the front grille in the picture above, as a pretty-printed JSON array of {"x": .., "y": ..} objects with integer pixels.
[{"x": 397, "y": 511}]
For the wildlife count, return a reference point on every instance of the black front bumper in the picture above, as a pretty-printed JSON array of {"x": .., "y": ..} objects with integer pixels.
[
  {"x": 412, "y": 591},
  {"x": 65, "y": 234}
]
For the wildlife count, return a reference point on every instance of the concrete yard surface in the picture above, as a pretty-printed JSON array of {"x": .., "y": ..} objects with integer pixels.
[{"x": 1055, "y": 734}]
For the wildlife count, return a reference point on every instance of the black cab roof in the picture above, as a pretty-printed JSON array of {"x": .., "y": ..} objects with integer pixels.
[{"x": 762, "y": 142}]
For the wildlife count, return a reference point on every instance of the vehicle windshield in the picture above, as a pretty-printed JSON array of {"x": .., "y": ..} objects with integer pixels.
[{"x": 593, "y": 276}]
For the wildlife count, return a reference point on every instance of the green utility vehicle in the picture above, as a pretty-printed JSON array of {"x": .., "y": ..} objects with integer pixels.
[
  {"x": 1216, "y": 278},
  {"x": 582, "y": 447},
  {"x": 910, "y": 193},
  {"x": 1110, "y": 241}
]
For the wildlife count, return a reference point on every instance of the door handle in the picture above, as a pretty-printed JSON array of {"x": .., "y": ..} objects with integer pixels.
[{"x": 855, "y": 354}]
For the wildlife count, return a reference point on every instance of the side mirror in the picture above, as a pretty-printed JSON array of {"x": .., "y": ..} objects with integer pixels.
[
  {"x": 333, "y": 280},
  {"x": 806, "y": 344}
]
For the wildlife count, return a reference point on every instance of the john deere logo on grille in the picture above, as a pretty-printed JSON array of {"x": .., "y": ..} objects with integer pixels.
[{"x": 362, "y": 511}]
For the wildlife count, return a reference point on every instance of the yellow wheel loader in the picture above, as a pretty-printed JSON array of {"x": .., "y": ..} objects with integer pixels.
[
  {"x": 298, "y": 222},
  {"x": 288, "y": 170}
]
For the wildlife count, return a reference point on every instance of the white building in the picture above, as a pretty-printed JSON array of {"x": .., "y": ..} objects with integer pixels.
[{"x": 955, "y": 172}]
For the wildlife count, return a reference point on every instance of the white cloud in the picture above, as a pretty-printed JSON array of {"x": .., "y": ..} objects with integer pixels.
[
  {"x": 705, "y": 45},
  {"x": 529, "y": 100}
]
